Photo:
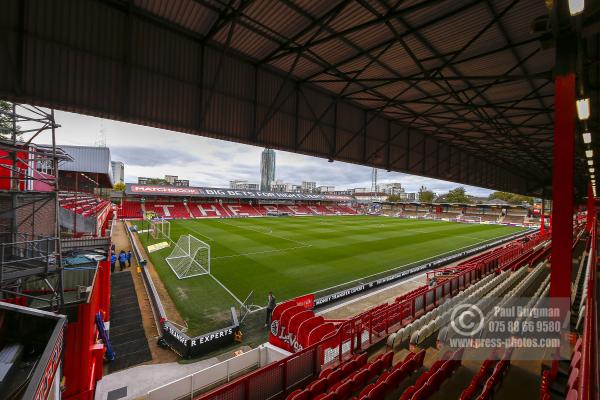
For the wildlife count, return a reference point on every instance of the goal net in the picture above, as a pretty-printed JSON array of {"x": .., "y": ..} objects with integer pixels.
[
  {"x": 159, "y": 228},
  {"x": 470, "y": 219},
  {"x": 190, "y": 257}
]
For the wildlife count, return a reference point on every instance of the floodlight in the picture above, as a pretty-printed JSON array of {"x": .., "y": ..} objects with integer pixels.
[
  {"x": 590, "y": 162},
  {"x": 589, "y": 153},
  {"x": 592, "y": 170},
  {"x": 587, "y": 137},
  {"x": 583, "y": 108},
  {"x": 576, "y": 7}
]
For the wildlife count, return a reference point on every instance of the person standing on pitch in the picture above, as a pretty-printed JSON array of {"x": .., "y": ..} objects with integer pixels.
[
  {"x": 128, "y": 258},
  {"x": 271, "y": 303}
]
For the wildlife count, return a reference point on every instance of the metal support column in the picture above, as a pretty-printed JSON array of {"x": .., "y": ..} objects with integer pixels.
[{"x": 562, "y": 179}]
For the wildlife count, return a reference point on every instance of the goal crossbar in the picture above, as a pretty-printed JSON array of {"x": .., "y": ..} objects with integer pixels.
[{"x": 190, "y": 257}]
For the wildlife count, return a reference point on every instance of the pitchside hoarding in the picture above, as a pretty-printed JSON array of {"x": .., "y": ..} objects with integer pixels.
[
  {"x": 204, "y": 192},
  {"x": 190, "y": 347}
]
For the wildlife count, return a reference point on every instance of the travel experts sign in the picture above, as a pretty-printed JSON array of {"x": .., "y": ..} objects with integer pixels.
[{"x": 150, "y": 190}]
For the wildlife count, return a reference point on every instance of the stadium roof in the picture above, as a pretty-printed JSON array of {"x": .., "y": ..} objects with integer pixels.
[
  {"x": 89, "y": 160},
  {"x": 459, "y": 90}
]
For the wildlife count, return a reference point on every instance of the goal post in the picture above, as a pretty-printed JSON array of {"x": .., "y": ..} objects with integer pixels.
[
  {"x": 190, "y": 257},
  {"x": 160, "y": 228}
]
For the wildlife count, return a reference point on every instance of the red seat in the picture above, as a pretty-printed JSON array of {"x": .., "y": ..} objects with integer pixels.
[
  {"x": 343, "y": 391},
  {"x": 382, "y": 378},
  {"x": 299, "y": 395},
  {"x": 408, "y": 393},
  {"x": 325, "y": 396},
  {"x": 359, "y": 380},
  {"x": 348, "y": 367},
  {"x": 419, "y": 358},
  {"x": 334, "y": 377},
  {"x": 572, "y": 395},
  {"x": 409, "y": 367},
  {"x": 293, "y": 394},
  {"x": 326, "y": 372},
  {"x": 423, "y": 393},
  {"x": 317, "y": 386},
  {"x": 361, "y": 359},
  {"x": 468, "y": 393},
  {"x": 573, "y": 378},
  {"x": 387, "y": 359},
  {"x": 366, "y": 390},
  {"x": 378, "y": 392},
  {"x": 375, "y": 368},
  {"x": 393, "y": 379},
  {"x": 422, "y": 379}
]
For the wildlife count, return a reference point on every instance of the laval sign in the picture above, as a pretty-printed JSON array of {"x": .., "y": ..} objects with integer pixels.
[{"x": 134, "y": 189}]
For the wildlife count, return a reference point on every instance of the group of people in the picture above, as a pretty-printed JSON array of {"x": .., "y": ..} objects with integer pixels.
[{"x": 124, "y": 259}]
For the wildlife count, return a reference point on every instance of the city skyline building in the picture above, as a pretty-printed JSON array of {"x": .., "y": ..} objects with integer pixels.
[{"x": 267, "y": 169}]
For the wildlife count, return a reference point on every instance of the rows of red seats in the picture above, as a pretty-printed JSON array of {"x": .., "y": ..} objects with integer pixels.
[
  {"x": 489, "y": 377},
  {"x": 129, "y": 209},
  {"x": 82, "y": 203},
  {"x": 208, "y": 210},
  {"x": 167, "y": 210},
  {"x": 430, "y": 381},
  {"x": 367, "y": 380}
]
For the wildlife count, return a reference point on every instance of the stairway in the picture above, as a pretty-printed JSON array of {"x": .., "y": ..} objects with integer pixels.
[{"x": 126, "y": 330}]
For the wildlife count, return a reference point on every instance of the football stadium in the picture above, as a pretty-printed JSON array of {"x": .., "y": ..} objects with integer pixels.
[{"x": 362, "y": 199}]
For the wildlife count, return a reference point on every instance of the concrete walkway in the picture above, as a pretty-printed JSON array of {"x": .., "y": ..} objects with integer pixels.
[{"x": 136, "y": 382}]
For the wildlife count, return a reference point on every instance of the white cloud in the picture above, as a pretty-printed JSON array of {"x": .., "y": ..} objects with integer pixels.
[{"x": 210, "y": 162}]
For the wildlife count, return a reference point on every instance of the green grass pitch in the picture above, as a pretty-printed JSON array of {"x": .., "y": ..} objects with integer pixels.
[{"x": 297, "y": 255}]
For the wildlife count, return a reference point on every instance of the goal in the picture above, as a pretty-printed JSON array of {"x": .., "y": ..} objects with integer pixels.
[
  {"x": 190, "y": 257},
  {"x": 159, "y": 228},
  {"x": 471, "y": 219}
]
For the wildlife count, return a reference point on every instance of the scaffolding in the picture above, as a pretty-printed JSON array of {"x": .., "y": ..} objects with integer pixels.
[{"x": 30, "y": 250}]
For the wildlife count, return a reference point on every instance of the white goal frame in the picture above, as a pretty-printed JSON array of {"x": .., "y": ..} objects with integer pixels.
[
  {"x": 160, "y": 228},
  {"x": 190, "y": 257},
  {"x": 471, "y": 218}
]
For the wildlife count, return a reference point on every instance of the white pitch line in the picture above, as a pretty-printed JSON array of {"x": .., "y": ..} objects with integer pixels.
[
  {"x": 262, "y": 252},
  {"x": 201, "y": 234},
  {"x": 227, "y": 290}
]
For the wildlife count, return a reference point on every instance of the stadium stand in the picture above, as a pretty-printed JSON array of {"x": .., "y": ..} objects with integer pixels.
[
  {"x": 129, "y": 209},
  {"x": 82, "y": 203},
  {"x": 172, "y": 209},
  {"x": 168, "y": 209}
]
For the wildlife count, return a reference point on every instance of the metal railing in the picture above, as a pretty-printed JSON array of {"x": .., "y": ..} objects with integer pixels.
[{"x": 589, "y": 383}]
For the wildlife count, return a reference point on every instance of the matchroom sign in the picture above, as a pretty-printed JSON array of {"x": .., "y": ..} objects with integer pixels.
[{"x": 150, "y": 190}]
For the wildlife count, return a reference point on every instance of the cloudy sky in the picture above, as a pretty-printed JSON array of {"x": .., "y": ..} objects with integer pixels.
[{"x": 154, "y": 152}]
